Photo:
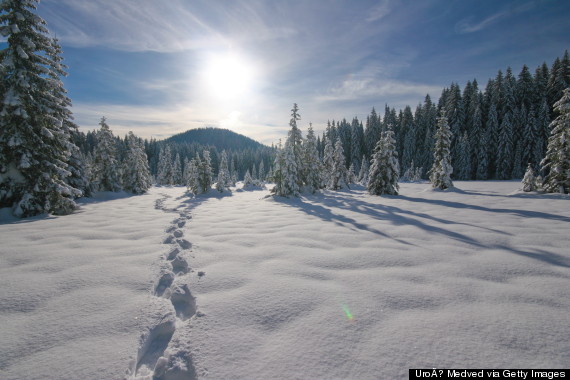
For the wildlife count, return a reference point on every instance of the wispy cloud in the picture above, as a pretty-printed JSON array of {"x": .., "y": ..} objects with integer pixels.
[
  {"x": 468, "y": 26},
  {"x": 148, "y": 25},
  {"x": 379, "y": 11},
  {"x": 367, "y": 88}
]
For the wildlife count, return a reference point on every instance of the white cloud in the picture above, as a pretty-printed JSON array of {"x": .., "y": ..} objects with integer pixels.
[
  {"x": 379, "y": 11},
  {"x": 148, "y": 25},
  {"x": 375, "y": 82},
  {"x": 466, "y": 26}
]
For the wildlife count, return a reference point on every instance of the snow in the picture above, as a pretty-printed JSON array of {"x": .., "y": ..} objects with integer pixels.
[{"x": 337, "y": 285}]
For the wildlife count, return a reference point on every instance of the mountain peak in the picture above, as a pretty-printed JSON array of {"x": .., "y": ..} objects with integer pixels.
[{"x": 222, "y": 139}]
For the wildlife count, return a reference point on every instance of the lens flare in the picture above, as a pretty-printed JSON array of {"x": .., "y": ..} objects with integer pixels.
[{"x": 347, "y": 312}]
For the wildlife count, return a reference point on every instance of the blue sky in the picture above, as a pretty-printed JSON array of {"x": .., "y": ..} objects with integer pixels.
[{"x": 162, "y": 67}]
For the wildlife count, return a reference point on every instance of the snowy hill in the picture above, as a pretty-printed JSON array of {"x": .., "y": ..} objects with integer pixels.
[
  {"x": 338, "y": 285},
  {"x": 222, "y": 139}
]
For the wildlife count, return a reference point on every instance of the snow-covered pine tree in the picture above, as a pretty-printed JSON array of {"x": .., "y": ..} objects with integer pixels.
[
  {"x": 106, "y": 171},
  {"x": 294, "y": 164},
  {"x": 136, "y": 173},
  {"x": 328, "y": 162},
  {"x": 557, "y": 160},
  {"x": 185, "y": 171},
  {"x": 205, "y": 172},
  {"x": 482, "y": 158},
  {"x": 261, "y": 172},
  {"x": 357, "y": 141},
  {"x": 247, "y": 179},
  {"x": 464, "y": 164},
  {"x": 529, "y": 180},
  {"x": 351, "y": 174},
  {"x": 76, "y": 163},
  {"x": 192, "y": 176},
  {"x": 164, "y": 171},
  {"x": 176, "y": 170},
  {"x": 492, "y": 128},
  {"x": 224, "y": 179},
  {"x": 290, "y": 170},
  {"x": 339, "y": 175},
  {"x": 277, "y": 175},
  {"x": 385, "y": 170},
  {"x": 35, "y": 144},
  {"x": 233, "y": 172},
  {"x": 363, "y": 174},
  {"x": 312, "y": 164},
  {"x": 440, "y": 172},
  {"x": 517, "y": 171},
  {"x": 409, "y": 174}
]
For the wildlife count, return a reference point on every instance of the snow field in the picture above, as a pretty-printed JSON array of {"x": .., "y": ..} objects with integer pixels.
[
  {"x": 339, "y": 285},
  {"x": 74, "y": 290},
  {"x": 351, "y": 286}
]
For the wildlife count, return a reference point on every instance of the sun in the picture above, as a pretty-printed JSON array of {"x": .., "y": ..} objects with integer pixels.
[{"x": 228, "y": 76}]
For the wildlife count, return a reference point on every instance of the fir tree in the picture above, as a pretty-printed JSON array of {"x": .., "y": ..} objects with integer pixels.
[
  {"x": 136, "y": 172},
  {"x": 106, "y": 170},
  {"x": 492, "y": 128},
  {"x": 261, "y": 172},
  {"x": 440, "y": 172},
  {"x": 290, "y": 171},
  {"x": 328, "y": 161},
  {"x": 35, "y": 141},
  {"x": 224, "y": 179},
  {"x": 277, "y": 173},
  {"x": 185, "y": 171},
  {"x": 192, "y": 176},
  {"x": 529, "y": 180},
  {"x": 312, "y": 164},
  {"x": 205, "y": 173},
  {"x": 557, "y": 160},
  {"x": 357, "y": 141},
  {"x": 176, "y": 170},
  {"x": 339, "y": 175},
  {"x": 165, "y": 173},
  {"x": 294, "y": 165},
  {"x": 464, "y": 164},
  {"x": 363, "y": 174},
  {"x": 248, "y": 180},
  {"x": 482, "y": 159},
  {"x": 505, "y": 149},
  {"x": 385, "y": 170}
]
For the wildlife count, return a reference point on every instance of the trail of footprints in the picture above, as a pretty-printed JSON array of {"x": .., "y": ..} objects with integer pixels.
[{"x": 169, "y": 286}]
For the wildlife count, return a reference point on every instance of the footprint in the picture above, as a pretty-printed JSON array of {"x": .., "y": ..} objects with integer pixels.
[
  {"x": 179, "y": 265},
  {"x": 164, "y": 283},
  {"x": 169, "y": 240},
  {"x": 184, "y": 244},
  {"x": 181, "y": 223},
  {"x": 170, "y": 229},
  {"x": 178, "y": 233},
  {"x": 155, "y": 343},
  {"x": 183, "y": 301},
  {"x": 172, "y": 254},
  {"x": 178, "y": 366}
]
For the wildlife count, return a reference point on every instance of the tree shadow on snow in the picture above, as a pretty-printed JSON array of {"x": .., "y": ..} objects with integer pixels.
[
  {"x": 322, "y": 205},
  {"x": 518, "y": 212}
]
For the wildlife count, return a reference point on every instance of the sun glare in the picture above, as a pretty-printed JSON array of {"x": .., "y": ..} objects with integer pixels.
[{"x": 228, "y": 76}]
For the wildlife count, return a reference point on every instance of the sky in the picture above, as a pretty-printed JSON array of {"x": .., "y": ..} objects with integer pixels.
[{"x": 162, "y": 67}]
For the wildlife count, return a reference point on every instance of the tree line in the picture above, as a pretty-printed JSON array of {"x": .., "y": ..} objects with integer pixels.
[{"x": 46, "y": 163}]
